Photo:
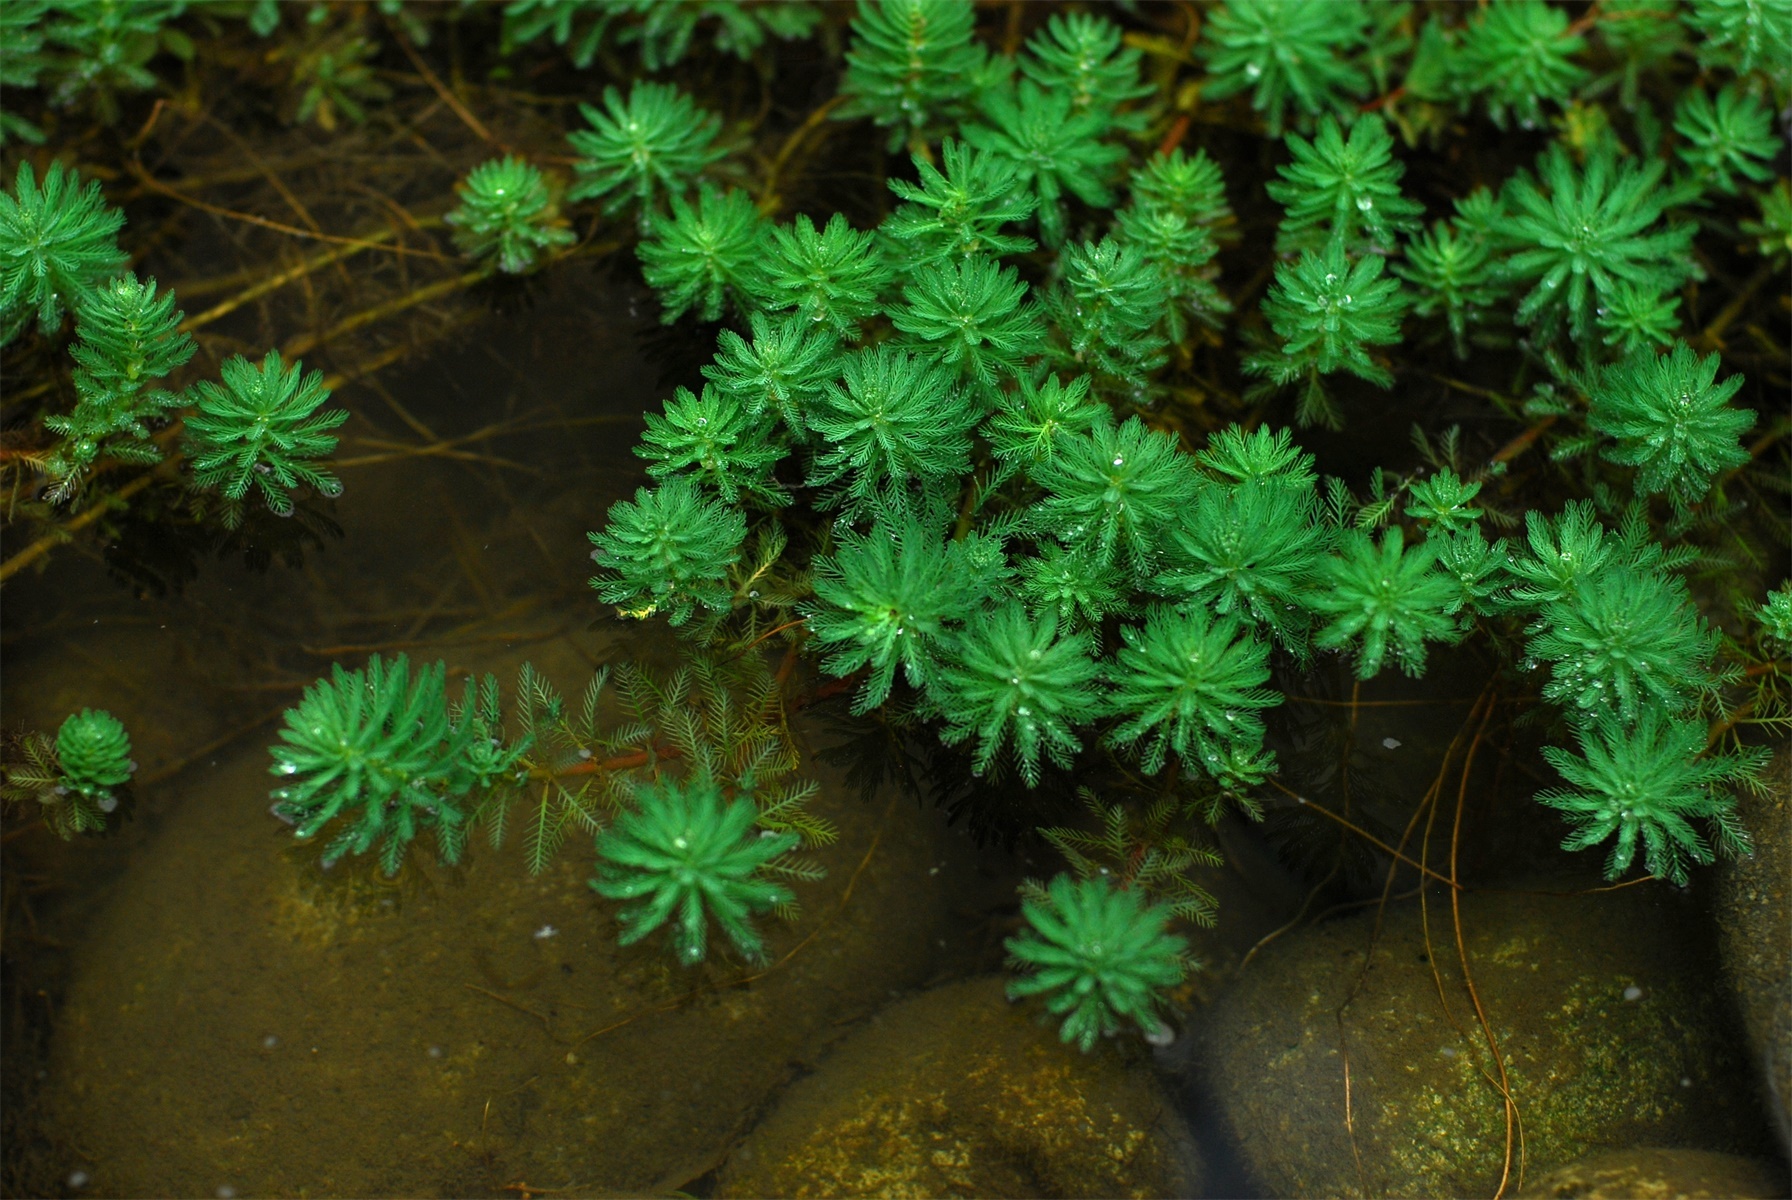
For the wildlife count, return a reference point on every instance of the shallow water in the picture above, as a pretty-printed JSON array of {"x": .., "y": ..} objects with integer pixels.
[{"x": 204, "y": 1011}]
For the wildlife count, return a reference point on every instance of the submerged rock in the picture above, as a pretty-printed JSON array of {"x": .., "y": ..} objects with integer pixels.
[
  {"x": 1753, "y": 910},
  {"x": 1343, "y": 1063},
  {"x": 1648, "y": 1173},
  {"x": 957, "y": 1092}
]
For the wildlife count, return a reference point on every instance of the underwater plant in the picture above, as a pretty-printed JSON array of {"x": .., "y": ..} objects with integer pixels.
[
  {"x": 1645, "y": 783},
  {"x": 718, "y": 440},
  {"x": 58, "y": 241},
  {"x": 685, "y": 855},
  {"x": 912, "y": 66},
  {"x": 72, "y": 779},
  {"x": 379, "y": 748},
  {"x": 668, "y": 551},
  {"x": 961, "y": 210},
  {"x": 832, "y": 276},
  {"x": 261, "y": 425},
  {"x": 1671, "y": 419},
  {"x": 1054, "y": 147},
  {"x": 657, "y": 143},
  {"x": 507, "y": 211},
  {"x": 1082, "y": 56},
  {"x": 1516, "y": 56},
  {"x": 1382, "y": 598},
  {"x": 1099, "y": 955},
  {"x": 702, "y": 256},
  {"x": 1344, "y": 188},
  {"x": 1287, "y": 53}
]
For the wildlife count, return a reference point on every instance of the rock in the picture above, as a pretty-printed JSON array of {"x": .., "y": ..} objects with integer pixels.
[
  {"x": 1647, "y": 1173},
  {"x": 240, "y": 1019},
  {"x": 1337, "y": 1074},
  {"x": 1753, "y": 910},
  {"x": 957, "y": 1092}
]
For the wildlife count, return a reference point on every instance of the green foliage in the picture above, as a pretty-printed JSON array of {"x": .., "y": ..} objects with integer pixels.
[
  {"x": 1261, "y": 455},
  {"x": 832, "y": 277},
  {"x": 1646, "y": 782},
  {"x": 94, "y": 754},
  {"x": 1080, "y": 56},
  {"x": 1328, "y": 312},
  {"x": 1637, "y": 319},
  {"x": 1579, "y": 233},
  {"x": 1453, "y": 274},
  {"x": 31, "y": 773},
  {"x": 1744, "y": 35},
  {"x": 1671, "y": 420},
  {"x": 972, "y": 315},
  {"x": 886, "y": 599},
  {"x": 1074, "y": 584},
  {"x": 261, "y": 425},
  {"x": 507, "y": 210},
  {"x": 1015, "y": 680},
  {"x": 1286, "y": 53},
  {"x": 104, "y": 48},
  {"x": 1191, "y": 187},
  {"x": 690, "y": 857},
  {"x": 699, "y": 257},
  {"x": 1775, "y": 618},
  {"x": 381, "y": 750},
  {"x": 961, "y": 211},
  {"x": 783, "y": 369},
  {"x": 912, "y": 67},
  {"x": 58, "y": 242},
  {"x": 717, "y": 439},
  {"x": 1191, "y": 683},
  {"x": 1385, "y": 598},
  {"x": 128, "y": 338},
  {"x": 336, "y": 77},
  {"x": 893, "y": 420},
  {"x": 1517, "y": 55},
  {"x": 1031, "y": 423},
  {"x": 656, "y": 144},
  {"x": 1054, "y": 148},
  {"x": 668, "y": 551},
  {"x": 1624, "y": 641},
  {"x": 1181, "y": 249},
  {"x": 1564, "y": 554},
  {"x": 1254, "y": 550},
  {"x": 1116, "y": 490},
  {"x": 1442, "y": 503},
  {"x": 1726, "y": 140},
  {"x": 662, "y": 31},
  {"x": 1774, "y": 229},
  {"x": 1099, "y": 954},
  {"x": 21, "y": 61},
  {"x": 1110, "y": 310},
  {"x": 1347, "y": 190},
  {"x": 1146, "y": 856}
]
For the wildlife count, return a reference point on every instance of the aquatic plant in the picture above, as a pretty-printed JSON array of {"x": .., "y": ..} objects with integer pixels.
[
  {"x": 58, "y": 241},
  {"x": 1054, "y": 146},
  {"x": 1442, "y": 503},
  {"x": 507, "y": 211},
  {"x": 784, "y": 369},
  {"x": 1725, "y": 140},
  {"x": 1082, "y": 56},
  {"x": 832, "y": 276},
  {"x": 1254, "y": 550},
  {"x": 959, "y": 211},
  {"x": 1383, "y": 598},
  {"x": 261, "y": 425},
  {"x": 1114, "y": 490},
  {"x": 1191, "y": 684},
  {"x": 689, "y": 857},
  {"x": 1109, "y": 310},
  {"x": 1099, "y": 955},
  {"x": 972, "y": 315},
  {"x": 1579, "y": 233},
  {"x": 377, "y": 748},
  {"x": 1016, "y": 680},
  {"x": 718, "y": 440},
  {"x": 128, "y": 338},
  {"x": 71, "y": 781},
  {"x": 1645, "y": 783},
  {"x": 655, "y": 144},
  {"x": 1344, "y": 189},
  {"x": 1287, "y": 53},
  {"x": 1671, "y": 419},
  {"x": 1517, "y": 56},
  {"x": 1452, "y": 273},
  {"x": 912, "y": 66},
  {"x": 94, "y": 754},
  {"x": 668, "y": 551},
  {"x": 1328, "y": 311},
  {"x": 704, "y": 255}
]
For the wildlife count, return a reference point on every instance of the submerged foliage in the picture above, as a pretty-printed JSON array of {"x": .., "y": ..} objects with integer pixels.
[
  {"x": 57, "y": 242},
  {"x": 685, "y": 855},
  {"x": 1099, "y": 955},
  {"x": 507, "y": 211},
  {"x": 261, "y": 425}
]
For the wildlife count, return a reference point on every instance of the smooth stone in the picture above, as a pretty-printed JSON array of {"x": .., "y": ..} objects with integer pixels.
[
  {"x": 1652, "y": 1173},
  {"x": 958, "y": 1092},
  {"x": 1333, "y": 1080},
  {"x": 1753, "y": 911}
]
